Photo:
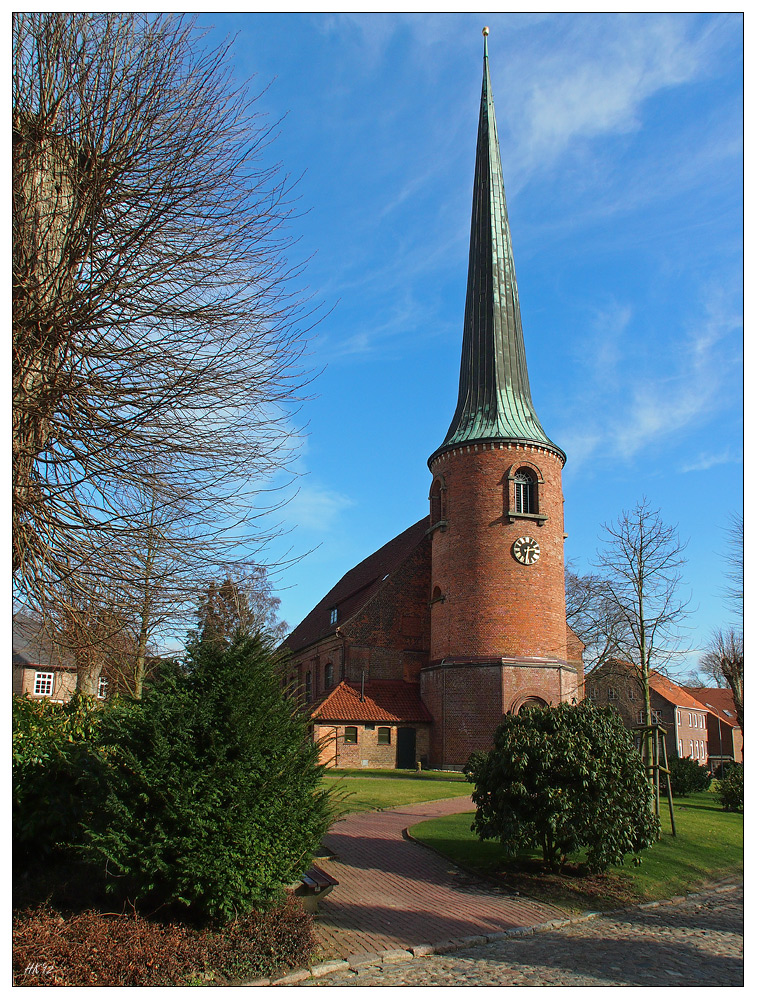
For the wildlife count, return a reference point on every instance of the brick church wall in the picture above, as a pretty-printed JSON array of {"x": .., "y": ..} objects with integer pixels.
[
  {"x": 492, "y": 604},
  {"x": 469, "y": 700},
  {"x": 394, "y": 624}
]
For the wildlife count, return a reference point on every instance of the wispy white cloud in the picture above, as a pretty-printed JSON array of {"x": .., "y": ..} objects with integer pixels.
[
  {"x": 649, "y": 403},
  {"x": 708, "y": 460},
  {"x": 316, "y": 508}
]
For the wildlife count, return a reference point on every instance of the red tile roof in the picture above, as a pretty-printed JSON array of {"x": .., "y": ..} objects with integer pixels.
[
  {"x": 677, "y": 695},
  {"x": 666, "y": 688},
  {"x": 384, "y": 701},
  {"x": 719, "y": 701},
  {"x": 356, "y": 587}
]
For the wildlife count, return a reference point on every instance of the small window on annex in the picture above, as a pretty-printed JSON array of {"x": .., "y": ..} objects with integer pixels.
[
  {"x": 102, "y": 687},
  {"x": 525, "y": 492},
  {"x": 612, "y": 694},
  {"x": 350, "y": 734},
  {"x": 384, "y": 735},
  {"x": 43, "y": 683}
]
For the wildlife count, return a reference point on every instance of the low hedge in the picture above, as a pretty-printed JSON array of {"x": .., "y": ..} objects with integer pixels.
[{"x": 101, "y": 949}]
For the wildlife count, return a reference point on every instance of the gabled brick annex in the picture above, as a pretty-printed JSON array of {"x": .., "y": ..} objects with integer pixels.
[{"x": 462, "y": 615}]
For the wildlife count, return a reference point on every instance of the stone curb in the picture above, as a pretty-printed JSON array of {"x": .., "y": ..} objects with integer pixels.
[{"x": 366, "y": 960}]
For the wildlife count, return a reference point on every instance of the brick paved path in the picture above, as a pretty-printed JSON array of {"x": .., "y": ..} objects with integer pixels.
[
  {"x": 394, "y": 894},
  {"x": 696, "y": 941}
]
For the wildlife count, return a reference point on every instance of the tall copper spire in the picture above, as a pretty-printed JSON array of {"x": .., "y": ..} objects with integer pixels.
[{"x": 494, "y": 401}]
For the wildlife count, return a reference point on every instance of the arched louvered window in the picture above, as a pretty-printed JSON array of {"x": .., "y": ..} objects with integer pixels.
[
  {"x": 525, "y": 493},
  {"x": 438, "y": 505}
]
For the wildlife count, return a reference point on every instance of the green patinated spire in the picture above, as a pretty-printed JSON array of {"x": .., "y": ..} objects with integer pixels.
[{"x": 494, "y": 402}]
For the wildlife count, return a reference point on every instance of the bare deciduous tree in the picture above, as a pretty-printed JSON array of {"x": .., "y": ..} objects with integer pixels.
[
  {"x": 157, "y": 334},
  {"x": 241, "y": 606},
  {"x": 594, "y": 616},
  {"x": 642, "y": 562},
  {"x": 735, "y": 562},
  {"x": 724, "y": 661}
]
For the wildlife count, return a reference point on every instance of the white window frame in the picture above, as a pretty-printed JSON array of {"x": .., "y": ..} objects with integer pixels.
[
  {"x": 102, "y": 687},
  {"x": 44, "y": 683},
  {"x": 612, "y": 694},
  {"x": 656, "y": 717},
  {"x": 333, "y": 615}
]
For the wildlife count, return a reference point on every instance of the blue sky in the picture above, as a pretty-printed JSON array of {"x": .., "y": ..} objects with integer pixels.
[{"x": 621, "y": 141}]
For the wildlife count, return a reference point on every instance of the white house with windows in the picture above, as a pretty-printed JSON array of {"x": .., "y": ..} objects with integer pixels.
[{"x": 41, "y": 668}]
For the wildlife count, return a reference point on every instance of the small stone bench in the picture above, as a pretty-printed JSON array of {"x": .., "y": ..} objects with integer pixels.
[{"x": 313, "y": 886}]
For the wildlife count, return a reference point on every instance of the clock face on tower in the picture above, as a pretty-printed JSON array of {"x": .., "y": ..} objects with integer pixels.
[{"x": 526, "y": 550}]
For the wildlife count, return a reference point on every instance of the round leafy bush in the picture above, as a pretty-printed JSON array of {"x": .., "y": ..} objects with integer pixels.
[
  {"x": 51, "y": 751},
  {"x": 210, "y": 791},
  {"x": 561, "y": 779},
  {"x": 730, "y": 788},
  {"x": 687, "y": 776}
]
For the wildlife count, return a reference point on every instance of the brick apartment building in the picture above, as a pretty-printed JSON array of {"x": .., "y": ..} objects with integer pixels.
[
  {"x": 724, "y": 735},
  {"x": 464, "y": 611},
  {"x": 695, "y": 728}
]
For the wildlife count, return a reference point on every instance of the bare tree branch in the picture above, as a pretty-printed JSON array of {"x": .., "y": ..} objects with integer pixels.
[
  {"x": 158, "y": 332},
  {"x": 641, "y": 563},
  {"x": 724, "y": 660}
]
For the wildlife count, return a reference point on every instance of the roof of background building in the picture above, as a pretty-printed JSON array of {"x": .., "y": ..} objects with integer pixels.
[
  {"x": 384, "y": 701},
  {"x": 355, "y": 588},
  {"x": 679, "y": 696},
  {"x": 32, "y": 646},
  {"x": 719, "y": 701},
  {"x": 664, "y": 686}
]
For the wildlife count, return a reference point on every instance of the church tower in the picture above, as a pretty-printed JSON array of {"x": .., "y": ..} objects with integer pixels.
[{"x": 498, "y": 629}]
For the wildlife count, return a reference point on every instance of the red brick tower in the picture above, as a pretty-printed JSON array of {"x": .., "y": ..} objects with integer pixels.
[{"x": 498, "y": 631}]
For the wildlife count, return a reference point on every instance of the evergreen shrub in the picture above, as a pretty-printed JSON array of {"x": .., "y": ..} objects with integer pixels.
[
  {"x": 52, "y": 747},
  {"x": 560, "y": 779},
  {"x": 730, "y": 788},
  {"x": 210, "y": 792},
  {"x": 686, "y": 776}
]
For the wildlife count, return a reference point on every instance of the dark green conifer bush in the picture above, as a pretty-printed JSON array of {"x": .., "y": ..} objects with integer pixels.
[
  {"x": 211, "y": 798},
  {"x": 687, "y": 776},
  {"x": 562, "y": 779}
]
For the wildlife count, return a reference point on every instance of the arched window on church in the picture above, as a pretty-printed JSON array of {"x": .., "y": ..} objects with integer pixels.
[
  {"x": 525, "y": 493},
  {"x": 328, "y": 675},
  {"x": 437, "y": 501}
]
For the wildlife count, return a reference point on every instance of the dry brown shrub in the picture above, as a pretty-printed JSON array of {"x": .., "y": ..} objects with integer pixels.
[{"x": 96, "y": 949}]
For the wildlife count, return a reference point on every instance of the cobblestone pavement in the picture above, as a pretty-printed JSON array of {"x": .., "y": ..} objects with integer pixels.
[
  {"x": 394, "y": 893},
  {"x": 696, "y": 941}
]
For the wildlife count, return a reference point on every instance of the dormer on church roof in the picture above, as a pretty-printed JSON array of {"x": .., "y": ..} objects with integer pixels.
[{"x": 494, "y": 401}]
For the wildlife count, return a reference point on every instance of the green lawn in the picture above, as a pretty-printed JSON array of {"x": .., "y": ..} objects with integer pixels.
[
  {"x": 360, "y": 791},
  {"x": 709, "y": 845}
]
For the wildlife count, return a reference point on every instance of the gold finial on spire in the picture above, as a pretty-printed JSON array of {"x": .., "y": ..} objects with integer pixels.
[{"x": 485, "y": 32}]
